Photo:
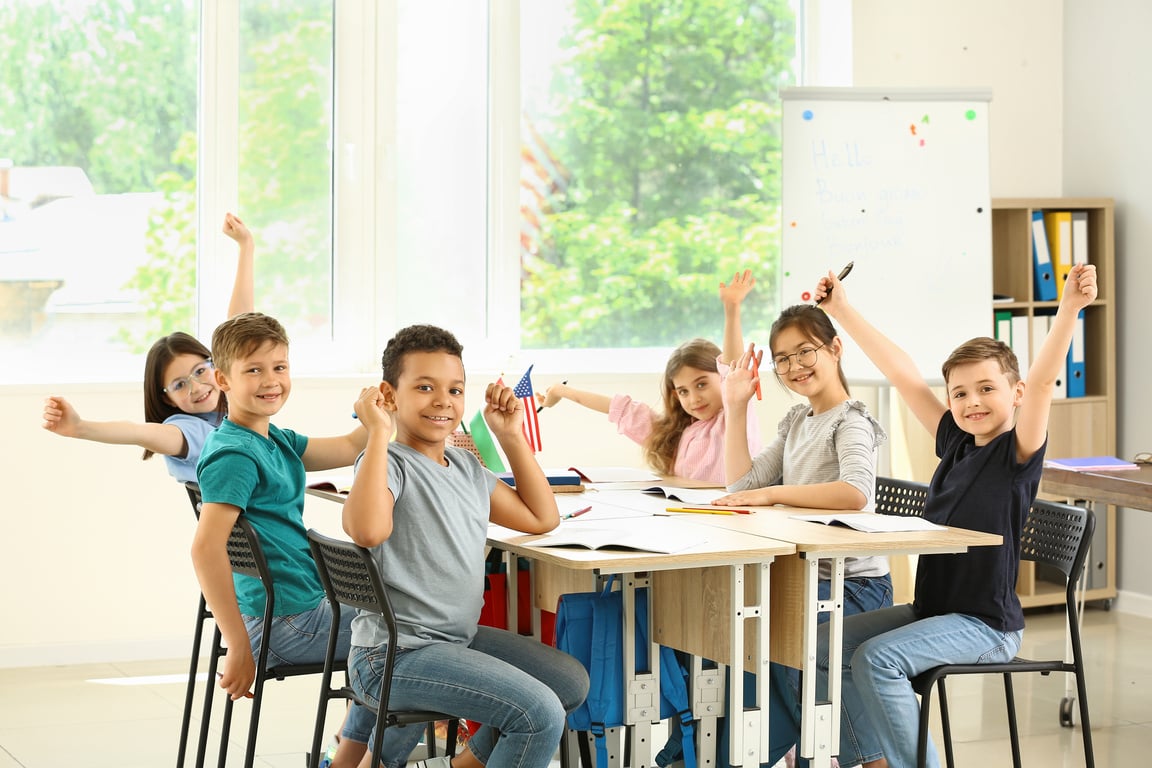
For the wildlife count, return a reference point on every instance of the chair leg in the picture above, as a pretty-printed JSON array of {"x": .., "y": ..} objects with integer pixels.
[
  {"x": 946, "y": 724},
  {"x": 254, "y": 721},
  {"x": 209, "y": 692},
  {"x": 202, "y": 615},
  {"x": 922, "y": 737},
  {"x": 225, "y": 729},
  {"x": 453, "y": 736},
  {"x": 1085, "y": 723},
  {"x": 430, "y": 738},
  {"x": 1013, "y": 727}
]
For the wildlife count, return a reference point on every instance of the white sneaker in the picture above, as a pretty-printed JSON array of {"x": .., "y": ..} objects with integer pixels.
[{"x": 435, "y": 762}]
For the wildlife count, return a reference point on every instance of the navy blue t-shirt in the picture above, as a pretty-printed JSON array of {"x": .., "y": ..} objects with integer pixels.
[{"x": 983, "y": 489}]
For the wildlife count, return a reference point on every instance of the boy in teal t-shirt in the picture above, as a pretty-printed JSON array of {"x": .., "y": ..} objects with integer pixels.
[{"x": 251, "y": 467}]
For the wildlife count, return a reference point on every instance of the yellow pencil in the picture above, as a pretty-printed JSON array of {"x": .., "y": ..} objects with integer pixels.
[{"x": 701, "y": 510}]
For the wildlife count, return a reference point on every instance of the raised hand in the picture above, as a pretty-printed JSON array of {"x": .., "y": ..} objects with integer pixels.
[
  {"x": 1080, "y": 290},
  {"x": 744, "y": 376},
  {"x": 503, "y": 410},
  {"x": 60, "y": 417},
  {"x": 372, "y": 411},
  {"x": 236, "y": 229},
  {"x": 733, "y": 293}
]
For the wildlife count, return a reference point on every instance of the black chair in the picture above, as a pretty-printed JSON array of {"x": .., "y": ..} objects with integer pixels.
[
  {"x": 246, "y": 557},
  {"x": 1057, "y": 535},
  {"x": 900, "y": 497},
  {"x": 352, "y": 578}
]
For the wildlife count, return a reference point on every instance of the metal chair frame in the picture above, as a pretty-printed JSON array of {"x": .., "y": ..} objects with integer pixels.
[
  {"x": 1057, "y": 535},
  {"x": 352, "y": 578}
]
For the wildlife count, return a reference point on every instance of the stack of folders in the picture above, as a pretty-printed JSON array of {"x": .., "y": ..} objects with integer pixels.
[
  {"x": 560, "y": 480},
  {"x": 1059, "y": 240}
]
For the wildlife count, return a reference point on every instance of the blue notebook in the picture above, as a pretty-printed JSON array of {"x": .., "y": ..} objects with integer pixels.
[{"x": 1088, "y": 463}]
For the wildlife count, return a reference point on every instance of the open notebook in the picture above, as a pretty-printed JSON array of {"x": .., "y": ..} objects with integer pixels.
[
  {"x": 651, "y": 539},
  {"x": 870, "y": 522}
]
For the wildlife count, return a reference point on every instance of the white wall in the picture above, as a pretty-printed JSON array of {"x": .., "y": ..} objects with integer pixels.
[{"x": 1107, "y": 153}]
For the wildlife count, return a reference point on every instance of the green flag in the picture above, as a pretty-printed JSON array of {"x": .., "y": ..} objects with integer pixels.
[{"x": 485, "y": 444}]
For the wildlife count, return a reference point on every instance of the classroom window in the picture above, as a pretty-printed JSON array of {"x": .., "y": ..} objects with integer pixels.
[
  {"x": 539, "y": 176},
  {"x": 97, "y": 159},
  {"x": 651, "y": 166}
]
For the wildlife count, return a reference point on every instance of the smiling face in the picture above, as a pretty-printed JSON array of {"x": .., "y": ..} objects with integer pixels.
[
  {"x": 189, "y": 384},
  {"x": 427, "y": 400},
  {"x": 812, "y": 369},
  {"x": 698, "y": 391},
  {"x": 983, "y": 399},
  {"x": 258, "y": 384}
]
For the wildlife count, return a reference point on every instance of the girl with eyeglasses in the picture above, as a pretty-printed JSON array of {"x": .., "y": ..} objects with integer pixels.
[
  {"x": 824, "y": 457},
  {"x": 686, "y": 439},
  {"x": 182, "y": 404}
]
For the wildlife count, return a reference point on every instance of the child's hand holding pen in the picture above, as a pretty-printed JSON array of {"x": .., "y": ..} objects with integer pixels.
[
  {"x": 827, "y": 285},
  {"x": 551, "y": 396},
  {"x": 743, "y": 379}
]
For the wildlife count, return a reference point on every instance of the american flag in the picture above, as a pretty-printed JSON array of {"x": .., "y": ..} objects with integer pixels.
[{"x": 523, "y": 390}]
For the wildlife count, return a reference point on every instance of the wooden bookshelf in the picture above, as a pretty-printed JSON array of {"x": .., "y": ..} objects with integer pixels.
[{"x": 1078, "y": 426}]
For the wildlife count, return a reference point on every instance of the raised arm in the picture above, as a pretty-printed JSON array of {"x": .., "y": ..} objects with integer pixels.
[
  {"x": 367, "y": 512},
  {"x": 896, "y": 365},
  {"x": 739, "y": 386},
  {"x": 341, "y": 451},
  {"x": 558, "y": 392},
  {"x": 530, "y": 506},
  {"x": 244, "y": 288},
  {"x": 732, "y": 296},
  {"x": 1048, "y": 363},
  {"x": 166, "y": 439}
]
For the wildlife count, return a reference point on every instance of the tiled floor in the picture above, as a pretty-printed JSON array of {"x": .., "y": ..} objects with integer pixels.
[{"x": 88, "y": 716}]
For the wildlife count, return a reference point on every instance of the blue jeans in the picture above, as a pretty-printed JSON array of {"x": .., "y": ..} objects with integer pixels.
[
  {"x": 884, "y": 650},
  {"x": 860, "y": 595},
  {"x": 519, "y": 689},
  {"x": 302, "y": 638}
]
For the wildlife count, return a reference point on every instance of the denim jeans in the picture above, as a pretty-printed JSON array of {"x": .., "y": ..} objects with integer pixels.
[
  {"x": 519, "y": 689},
  {"x": 860, "y": 595},
  {"x": 884, "y": 650},
  {"x": 302, "y": 638}
]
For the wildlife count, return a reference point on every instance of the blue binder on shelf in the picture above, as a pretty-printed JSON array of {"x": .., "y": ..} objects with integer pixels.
[
  {"x": 1045, "y": 283},
  {"x": 1077, "y": 386}
]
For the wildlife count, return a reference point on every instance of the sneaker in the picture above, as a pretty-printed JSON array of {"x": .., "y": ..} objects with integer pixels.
[
  {"x": 434, "y": 762},
  {"x": 329, "y": 755}
]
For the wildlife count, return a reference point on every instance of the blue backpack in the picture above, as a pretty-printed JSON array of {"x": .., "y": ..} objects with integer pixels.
[{"x": 590, "y": 627}]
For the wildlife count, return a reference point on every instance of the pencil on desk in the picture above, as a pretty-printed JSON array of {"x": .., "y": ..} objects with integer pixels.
[{"x": 708, "y": 510}]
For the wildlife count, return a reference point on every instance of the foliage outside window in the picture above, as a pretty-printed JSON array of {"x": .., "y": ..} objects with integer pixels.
[{"x": 653, "y": 168}]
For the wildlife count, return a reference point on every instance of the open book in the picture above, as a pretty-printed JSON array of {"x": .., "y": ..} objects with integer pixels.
[
  {"x": 617, "y": 538},
  {"x": 333, "y": 482},
  {"x": 687, "y": 495},
  {"x": 1090, "y": 463},
  {"x": 870, "y": 522},
  {"x": 614, "y": 474}
]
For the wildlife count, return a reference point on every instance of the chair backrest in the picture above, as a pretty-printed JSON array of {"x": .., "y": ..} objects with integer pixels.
[
  {"x": 351, "y": 577},
  {"x": 900, "y": 497},
  {"x": 194, "y": 496},
  {"x": 244, "y": 550},
  {"x": 1058, "y": 535}
]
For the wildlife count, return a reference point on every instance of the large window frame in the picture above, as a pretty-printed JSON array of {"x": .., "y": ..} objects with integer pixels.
[{"x": 364, "y": 147}]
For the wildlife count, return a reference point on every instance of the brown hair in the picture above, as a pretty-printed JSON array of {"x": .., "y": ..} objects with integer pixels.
[
  {"x": 241, "y": 335},
  {"x": 157, "y": 407},
  {"x": 660, "y": 447},
  {"x": 978, "y": 350},
  {"x": 415, "y": 338},
  {"x": 811, "y": 321}
]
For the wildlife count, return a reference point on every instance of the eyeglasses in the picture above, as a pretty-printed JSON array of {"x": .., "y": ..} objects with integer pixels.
[
  {"x": 805, "y": 358},
  {"x": 180, "y": 386}
]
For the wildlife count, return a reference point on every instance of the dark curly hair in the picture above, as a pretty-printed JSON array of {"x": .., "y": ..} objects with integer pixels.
[{"x": 415, "y": 338}]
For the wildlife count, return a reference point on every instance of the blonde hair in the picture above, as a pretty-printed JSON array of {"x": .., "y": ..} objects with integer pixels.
[
  {"x": 241, "y": 335},
  {"x": 660, "y": 447},
  {"x": 978, "y": 350}
]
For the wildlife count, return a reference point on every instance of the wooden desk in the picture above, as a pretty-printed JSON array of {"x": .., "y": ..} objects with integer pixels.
[
  {"x": 726, "y": 556},
  {"x": 1123, "y": 488},
  {"x": 794, "y": 585}
]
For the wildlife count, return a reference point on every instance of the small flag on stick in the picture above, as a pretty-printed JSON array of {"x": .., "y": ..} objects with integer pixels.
[{"x": 523, "y": 390}]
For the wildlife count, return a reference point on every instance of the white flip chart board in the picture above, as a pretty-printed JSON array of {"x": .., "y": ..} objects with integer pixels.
[{"x": 896, "y": 181}]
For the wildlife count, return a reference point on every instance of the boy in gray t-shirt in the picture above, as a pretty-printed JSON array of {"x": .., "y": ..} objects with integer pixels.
[{"x": 424, "y": 510}]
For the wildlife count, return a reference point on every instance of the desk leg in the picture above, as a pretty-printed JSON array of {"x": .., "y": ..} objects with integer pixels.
[
  {"x": 820, "y": 724},
  {"x": 641, "y": 690},
  {"x": 748, "y": 726}
]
